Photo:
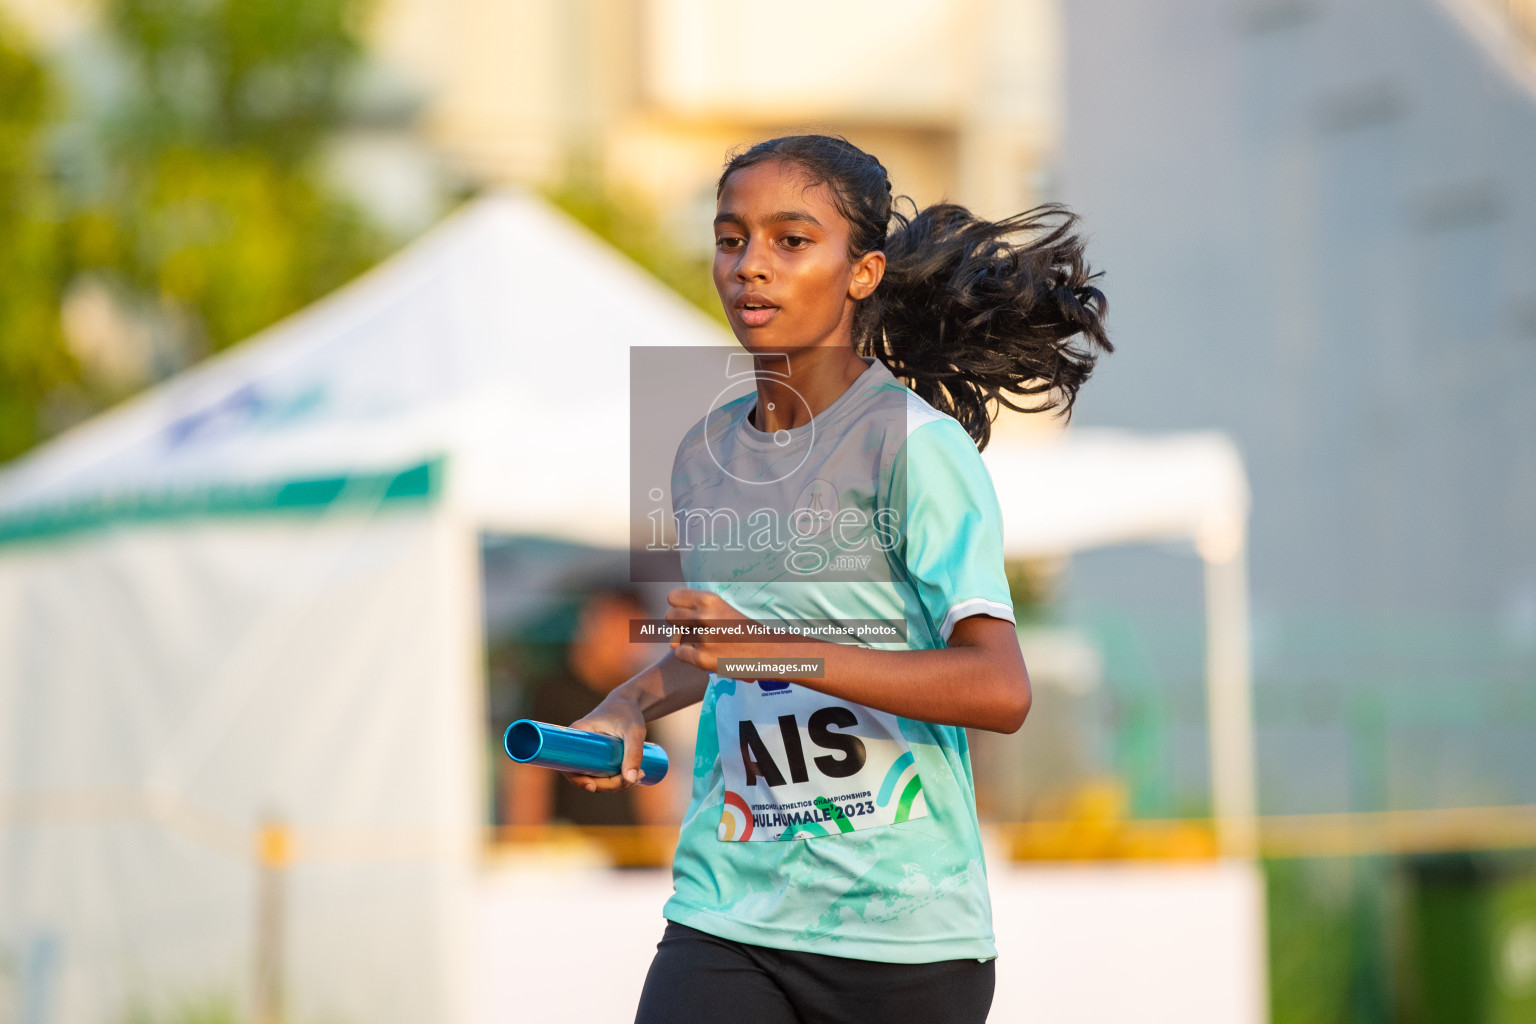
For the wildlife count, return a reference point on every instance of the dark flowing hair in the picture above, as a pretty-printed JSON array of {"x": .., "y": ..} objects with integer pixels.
[{"x": 965, "y": 314}]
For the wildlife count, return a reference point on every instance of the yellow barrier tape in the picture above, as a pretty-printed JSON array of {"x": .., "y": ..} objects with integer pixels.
[{"x": 1097, "y": 837}]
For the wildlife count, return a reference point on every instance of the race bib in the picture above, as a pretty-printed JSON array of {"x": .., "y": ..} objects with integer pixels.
[{"x": 799, "y": 764}]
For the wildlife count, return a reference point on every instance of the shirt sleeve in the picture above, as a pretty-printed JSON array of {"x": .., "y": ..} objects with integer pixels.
[{"x": 952, "y": 530}]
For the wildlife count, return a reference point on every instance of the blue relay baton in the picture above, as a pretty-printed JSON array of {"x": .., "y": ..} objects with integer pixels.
[{"x": 572, "y": 750}]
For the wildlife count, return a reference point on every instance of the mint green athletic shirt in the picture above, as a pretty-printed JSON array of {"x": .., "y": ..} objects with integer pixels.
[{"x": 885, "y": 863}]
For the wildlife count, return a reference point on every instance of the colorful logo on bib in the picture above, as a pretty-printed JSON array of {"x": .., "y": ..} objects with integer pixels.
[
  {"x": 909, "y": 792},
  {"x": 736, "y": 819},
  {"x": 799, "y": 764}
]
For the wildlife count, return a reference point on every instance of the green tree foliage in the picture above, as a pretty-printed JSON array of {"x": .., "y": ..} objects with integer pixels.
[
  {"x": 195, "y": 197},
  {"x": 210, "y": 1008},
  {"x": 235, "y": 75},
  {"x": 228, "y": 236},
  {"x": 213, "y": 204},
  {"x": 33, "y": 259}
]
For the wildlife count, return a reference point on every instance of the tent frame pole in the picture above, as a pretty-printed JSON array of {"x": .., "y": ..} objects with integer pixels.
[{"x": 1229, "y": 699}]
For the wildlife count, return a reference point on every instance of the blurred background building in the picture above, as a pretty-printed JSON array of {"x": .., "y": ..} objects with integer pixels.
[
  {"x": 1319, "y": 222},
  {"x": 956, "y": 96},
  {"x": 1320, "y": 225}
]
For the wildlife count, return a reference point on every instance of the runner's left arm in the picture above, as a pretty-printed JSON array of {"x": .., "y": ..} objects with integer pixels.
[{"x": 979, "y": 681}]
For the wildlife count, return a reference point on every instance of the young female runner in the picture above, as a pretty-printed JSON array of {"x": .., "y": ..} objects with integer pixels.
[{"x": 876, "y": 909}]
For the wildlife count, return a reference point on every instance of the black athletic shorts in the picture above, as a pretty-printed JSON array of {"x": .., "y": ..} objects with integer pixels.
[{"x": 700, "y": 979}]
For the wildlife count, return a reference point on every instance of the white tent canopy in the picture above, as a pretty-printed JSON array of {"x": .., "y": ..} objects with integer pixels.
[
  {"x": 501, "y": 339},
  {"x": 1096, "y": 488},
  {"x": 1099, "y": 488},
  {"x": 254, "y": 592}
]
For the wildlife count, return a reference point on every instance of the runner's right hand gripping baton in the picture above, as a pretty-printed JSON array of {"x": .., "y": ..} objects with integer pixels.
[{"x": 573, "y": 750}]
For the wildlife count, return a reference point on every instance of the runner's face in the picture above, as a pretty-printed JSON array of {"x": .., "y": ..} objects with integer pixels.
[{"x": 781, "y": 261}]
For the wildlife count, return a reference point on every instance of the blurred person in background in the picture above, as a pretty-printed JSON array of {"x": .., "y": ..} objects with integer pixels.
[{"x": 598, "y": 658}]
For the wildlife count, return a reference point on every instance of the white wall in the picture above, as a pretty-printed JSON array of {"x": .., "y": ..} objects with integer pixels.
[
  {"x": 162, "y": 688},
  {"x": 1077, "y": 944}
]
